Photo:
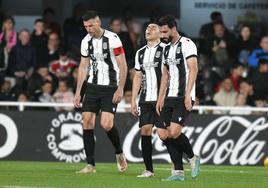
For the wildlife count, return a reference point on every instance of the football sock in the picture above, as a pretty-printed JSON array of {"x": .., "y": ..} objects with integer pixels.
[
  {"x": 182, "y": 142},
  {"x": 147, "y": 149},
  {"x": 89, "y": 145},
  {"x": 114, "y": 138},
  {"x": 175, "y": 154}
]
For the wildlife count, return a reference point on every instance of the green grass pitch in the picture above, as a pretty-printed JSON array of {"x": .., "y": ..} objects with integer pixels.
[{"x": 55, "y": 174}]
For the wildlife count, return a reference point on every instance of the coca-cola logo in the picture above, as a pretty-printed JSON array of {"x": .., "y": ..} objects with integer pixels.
[{"x": 225, "y": 140}]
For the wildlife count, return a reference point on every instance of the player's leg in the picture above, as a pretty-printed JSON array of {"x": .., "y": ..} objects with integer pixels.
[
  {"x": 107, "y": 123},
  {"x": 89, "y": 141},
  {"x": 175, "y": 155},
  {"x": 90, "y": 107},
  {"x": 147, "y": 149},
  {"x": 181, "y": 140}
]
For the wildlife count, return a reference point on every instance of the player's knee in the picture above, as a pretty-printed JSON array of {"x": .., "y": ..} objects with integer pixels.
[
  {"x": 88, "y": 123},
  {"x": 162, "y": 133},
  {"x": 174, "y": 133},
  {"x": 106, "y": 124},
  {"x": 146, "y": 131}
]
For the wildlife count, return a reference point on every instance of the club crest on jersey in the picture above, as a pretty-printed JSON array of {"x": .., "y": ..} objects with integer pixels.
[
  {"x": 105, "y": 45},
  {"x": 157, "y": 54},
  {"x": 178, "y": 50},
  {"x": 141, "y": 56}
]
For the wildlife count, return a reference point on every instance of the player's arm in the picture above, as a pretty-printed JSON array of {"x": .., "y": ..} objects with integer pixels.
[
  {"x": 122, "y": 65},
  {"x": 82, "y": 73},
  {"x": 136, "y": 84},
  {"x": 162, "y": 90},
  {"x": 193, "y": 69}
]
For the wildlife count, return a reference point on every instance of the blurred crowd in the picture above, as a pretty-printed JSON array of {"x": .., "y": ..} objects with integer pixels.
[{"x": 42, "y": 65}]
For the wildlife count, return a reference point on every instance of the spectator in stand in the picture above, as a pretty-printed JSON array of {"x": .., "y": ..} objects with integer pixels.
[
  {"x": 45, "y": 95},
  {"x": 22, "y": 60},
  {"x": 50, "y": 24},
  {"x": 241, "y": 101},
  {"x": 36, "y": 81},
  {"x": 39, "y": 41},
  {"x": 8, "y": 39},
  {"x": 23, "y": 97},
  {"x": 245, "y": 44},
  {"x": 220, "y": 47},
  {"x": 227, "y": 95},
  {"x": 260, "y": 78},
  {"x": 63, "y": 67},
  {"x": 5, "y": 91},
  {"x": 73, "y": 28},
  {"x": 246, "y": 88},
  {"x": 116, "y": 27},
  {"x": 53, "y": 47},
  {"x": 64, "y": 95},
  {"x": 206, "y": 30},
  {"x": 258, "y": 54},
  {"x": 238, "y": 72}
]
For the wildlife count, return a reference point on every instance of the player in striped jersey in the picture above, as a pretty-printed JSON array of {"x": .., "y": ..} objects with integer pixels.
[
  {"x": 146, "y": 81},
  {"x": 177, "y": 91},
  {"x": 103, "y": 56}
]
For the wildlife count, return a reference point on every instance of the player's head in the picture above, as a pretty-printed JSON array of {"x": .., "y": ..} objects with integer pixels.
[
  {"x": 168, "y": 27},
  {"x": 152, "y": 32},
  {"x": 91, "y": 22}
]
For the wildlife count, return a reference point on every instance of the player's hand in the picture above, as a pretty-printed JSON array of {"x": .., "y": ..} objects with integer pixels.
[
  {"x": 76, "y": 101},
  {"x": 118, "y": 95},
  {"x": 159, "y": 106},
  {"x": 134, "y": 109},
  {"x": 188, "y": 102}
]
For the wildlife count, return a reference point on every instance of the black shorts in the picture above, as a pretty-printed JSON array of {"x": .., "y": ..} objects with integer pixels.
[
  {"x": 148, "y": 115},
  {"x": 174, "y": 110},
  {"x": 99, "y": 98}
]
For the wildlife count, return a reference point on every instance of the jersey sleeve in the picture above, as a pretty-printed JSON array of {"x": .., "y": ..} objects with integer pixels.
[
  {"x": 189, "y": 49},
  {"x": 137, "y": 63},
  {"x": 84, "y": 48},
  {"x": 116, "y": 45}
]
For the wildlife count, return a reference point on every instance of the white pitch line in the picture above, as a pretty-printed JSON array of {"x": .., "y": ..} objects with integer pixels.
[{"x": 17, "y": 186}]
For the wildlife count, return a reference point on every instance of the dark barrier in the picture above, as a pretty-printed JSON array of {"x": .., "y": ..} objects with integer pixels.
[{"x": 52, "y": 136}]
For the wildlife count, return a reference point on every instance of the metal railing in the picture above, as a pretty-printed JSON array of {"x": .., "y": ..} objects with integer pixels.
[{"x": 201, "y": 109}]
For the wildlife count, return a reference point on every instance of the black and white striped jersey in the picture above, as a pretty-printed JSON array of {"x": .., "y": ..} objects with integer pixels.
[
  {"x": 103, "y": 69},
  {"x": 149, "y": 61},
  {"x": 175, "y": 60}
]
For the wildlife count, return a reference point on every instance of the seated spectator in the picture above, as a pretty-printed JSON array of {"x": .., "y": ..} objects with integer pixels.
[
  {"x": 241, "y": 100},
  {"x": 36, "y": 81},
  {"x": 45, "y": 95},
  {"x": 5, "y": 91},
  {"x": 258, "y": 54},
  {"x": 245, "y": 44},
  {"x": 23, "y": 97},
  {"x": 122, "y": 107},
  {"x": 64, "y": 95},
  {"x": 260, "y": 78},
  {"x": 63, "y": 67},
  {"x": 227, "y": 95},
  {"x": 260, "y": 101},
  {"x": 50, "y": 24},
  {"x": 39, "y": 41},
  {"x": 22, "y": 56},
  {"x": 220, "y": 47},
  {"x": 53, "y": 47},
  {"x": 116, "y": 27},
  {"x": 206, "y": 30},
  {"x": 8, "y": 39},
  {"x": 238, "y": 71},
  {"x": 246, "y": 88}
]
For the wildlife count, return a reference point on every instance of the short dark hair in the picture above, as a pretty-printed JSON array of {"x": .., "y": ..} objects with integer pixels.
[
  {"x": 168, "y": 20},
  {"x": 39, "y": 20},
  {"x": 113, "y": 19},
  {"x": 215, "y": 15},
  {"x": 91, "y": 14},
  {"x": 9, "y": 18}
]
